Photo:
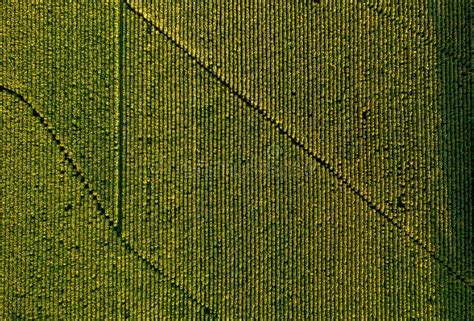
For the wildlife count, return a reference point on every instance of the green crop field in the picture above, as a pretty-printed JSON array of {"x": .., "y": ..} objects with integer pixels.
[{"x": 178, "y": 159}]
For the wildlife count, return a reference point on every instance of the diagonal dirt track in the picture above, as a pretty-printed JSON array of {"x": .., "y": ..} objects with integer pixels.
[
  {"x": 297, "y": 142},
  {"x": 95, "y": 197}
]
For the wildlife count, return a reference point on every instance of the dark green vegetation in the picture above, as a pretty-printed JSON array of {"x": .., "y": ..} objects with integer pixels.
[{"x": 265, "y": 159}]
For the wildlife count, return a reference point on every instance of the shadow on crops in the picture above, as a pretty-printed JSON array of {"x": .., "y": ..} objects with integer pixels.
[{"x": 454, "y": 104}]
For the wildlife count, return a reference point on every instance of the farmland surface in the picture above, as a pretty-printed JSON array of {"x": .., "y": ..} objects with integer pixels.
[{"x": 236, "y": 159}]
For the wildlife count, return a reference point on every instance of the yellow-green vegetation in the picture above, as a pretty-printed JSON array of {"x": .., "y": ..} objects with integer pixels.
[{"x": 236, "y": 160}]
